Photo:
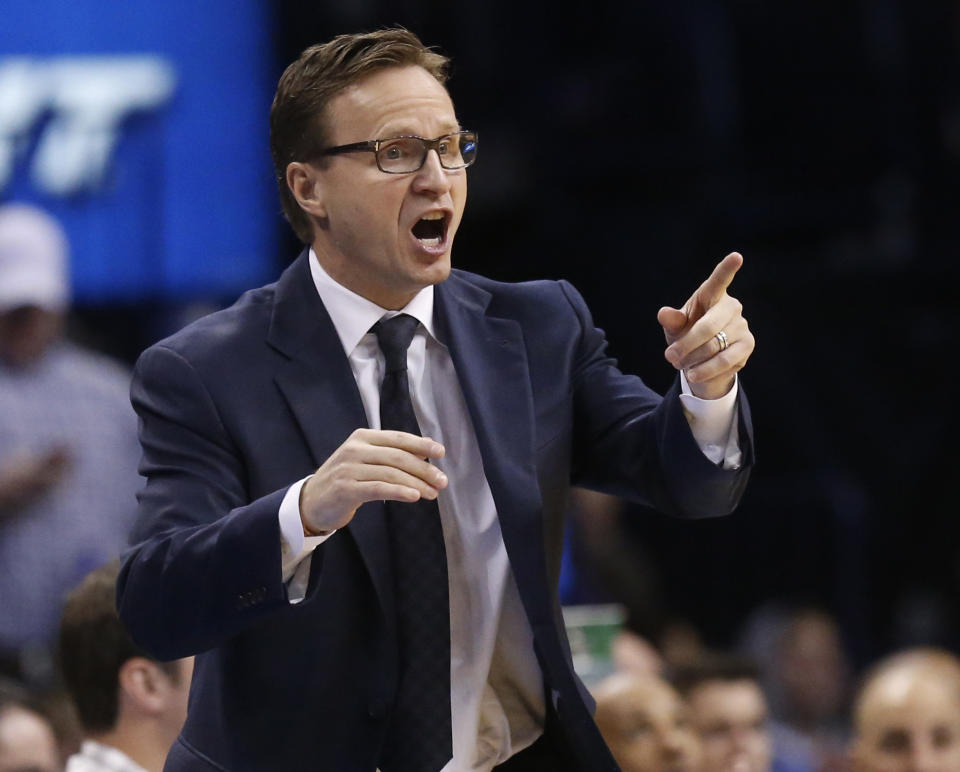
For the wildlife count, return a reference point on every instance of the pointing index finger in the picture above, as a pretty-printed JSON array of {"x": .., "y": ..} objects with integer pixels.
[{"x": 718, "y": 281}]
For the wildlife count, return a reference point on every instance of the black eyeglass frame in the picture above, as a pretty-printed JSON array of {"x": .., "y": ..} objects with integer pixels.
[{"x": 373, "y": 146}]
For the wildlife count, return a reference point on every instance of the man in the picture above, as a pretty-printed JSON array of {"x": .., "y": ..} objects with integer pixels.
[
  {"x": 809, "y": 690},
  {"x": 130, "y": 706},
  {"x": 907, "y": 714},
  {"x": 647, "y": 725},
  {"x": 27, "y": 740},
  {"x": 729, "y": 712},
  {"x": 386, "y": 596},
  {"x": 68, "y": 445}
]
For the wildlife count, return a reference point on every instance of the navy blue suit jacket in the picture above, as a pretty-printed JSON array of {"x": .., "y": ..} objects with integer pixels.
[{"x": 239, "y": 405}]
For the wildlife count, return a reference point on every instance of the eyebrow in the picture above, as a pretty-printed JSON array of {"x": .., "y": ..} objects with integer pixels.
[{"x": 389, "y": 132}]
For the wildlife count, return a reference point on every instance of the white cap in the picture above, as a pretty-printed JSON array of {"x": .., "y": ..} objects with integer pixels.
[{"x": 33, "y": 259}]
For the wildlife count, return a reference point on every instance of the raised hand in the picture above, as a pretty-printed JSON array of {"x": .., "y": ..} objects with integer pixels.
[
  {"x": 371, "y": 464},
  {"x": 707, "y": 337}
]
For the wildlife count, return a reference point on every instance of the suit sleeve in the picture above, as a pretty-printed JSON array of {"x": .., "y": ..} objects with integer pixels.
[
  {"x": 207, "y": 563},
  {"x": 632, "y": 443}
]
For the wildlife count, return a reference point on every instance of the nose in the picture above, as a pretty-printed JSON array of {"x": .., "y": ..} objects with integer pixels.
[
  {"x": 432, "y": 178},
  {"x": 672, "y": 743},
  {"x": 924, "y": 758},
  {"x": 741, "y": 738}
]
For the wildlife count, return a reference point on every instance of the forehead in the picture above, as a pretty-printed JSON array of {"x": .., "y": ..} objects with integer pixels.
[
  {"x": 892, "y": 703},
  {"x": 397, "y": 100},
  {"x": 739, "y": 695},
  {"x": 652, "y": 701}
]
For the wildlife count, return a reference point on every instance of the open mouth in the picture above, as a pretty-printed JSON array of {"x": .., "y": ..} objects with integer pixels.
[{"x": 431, "y": 229}]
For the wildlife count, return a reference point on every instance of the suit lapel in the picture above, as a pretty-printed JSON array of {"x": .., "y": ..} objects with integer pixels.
[
  {"x": 320, "y": 389},
  {"x": 490, "y": 359},
  {"x": 491, "y": 364}
]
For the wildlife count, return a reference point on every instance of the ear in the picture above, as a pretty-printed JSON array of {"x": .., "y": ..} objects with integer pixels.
[
  {"x": 143, "y": 685},
  {"x": 306, "y": 184}
]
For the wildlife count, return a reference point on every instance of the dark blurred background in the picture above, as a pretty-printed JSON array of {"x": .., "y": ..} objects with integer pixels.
[{"x": 628, "y": 147}]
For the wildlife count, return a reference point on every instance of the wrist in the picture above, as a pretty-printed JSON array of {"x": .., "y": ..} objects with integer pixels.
[
  {"x": 308, "y": 532},
  {"x": 713, "y": 389},
  {"x": 308, "y": 529}
]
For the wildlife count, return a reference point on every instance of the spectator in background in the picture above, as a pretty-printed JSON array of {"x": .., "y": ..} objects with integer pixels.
[
  {"x": 27, "y": 740},
  {"x": 68, "y": 446},
  {"x": 646, "y": 724},
  {"x": 131, "y": 707},
  {"x": 907, "y": 714},
  {"x": 632, "y": 653},
  {"x": 729, "y": 711},
  {"x": 806, "y": 677},
  {"x": 812, "y": 677}
]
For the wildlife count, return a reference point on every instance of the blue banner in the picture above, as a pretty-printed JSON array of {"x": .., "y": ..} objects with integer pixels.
[{"x": 143, "y": 127}]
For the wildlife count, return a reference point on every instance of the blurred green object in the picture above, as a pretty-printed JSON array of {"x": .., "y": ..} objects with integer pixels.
[{"x": 591, "y": 630}]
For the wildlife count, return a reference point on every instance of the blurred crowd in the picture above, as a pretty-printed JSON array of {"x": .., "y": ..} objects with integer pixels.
[
  {"x": 714, "y": 715},
  {"x": 73, "y": 684}
]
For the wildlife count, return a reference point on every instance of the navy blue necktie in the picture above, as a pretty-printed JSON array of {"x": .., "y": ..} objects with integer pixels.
[{"x": 419, "y": 735}]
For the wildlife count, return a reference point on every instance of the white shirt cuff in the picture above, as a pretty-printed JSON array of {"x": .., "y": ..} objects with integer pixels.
[
  {"x": 714, "y": 424},
  {"x": 294, "y": 546}
]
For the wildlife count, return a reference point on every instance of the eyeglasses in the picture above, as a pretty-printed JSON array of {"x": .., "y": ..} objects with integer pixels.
[{"x": 402, "y": 155}]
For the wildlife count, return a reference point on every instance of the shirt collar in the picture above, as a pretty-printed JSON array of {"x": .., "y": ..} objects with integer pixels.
[
  {"x": 354, "y": 315},
  {"x": 108, "y": 757}
]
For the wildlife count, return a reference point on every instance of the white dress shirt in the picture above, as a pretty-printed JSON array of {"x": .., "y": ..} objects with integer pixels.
[
  {"x": 497, "y": 700},
  {"x": 96, "y": 757}
]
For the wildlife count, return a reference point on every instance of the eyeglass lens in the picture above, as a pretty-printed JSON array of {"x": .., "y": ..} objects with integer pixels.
[{"x": 407, "y": 154}]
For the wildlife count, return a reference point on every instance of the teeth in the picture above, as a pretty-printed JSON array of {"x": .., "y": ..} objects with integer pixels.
[{"x": 425, "y": 233}]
